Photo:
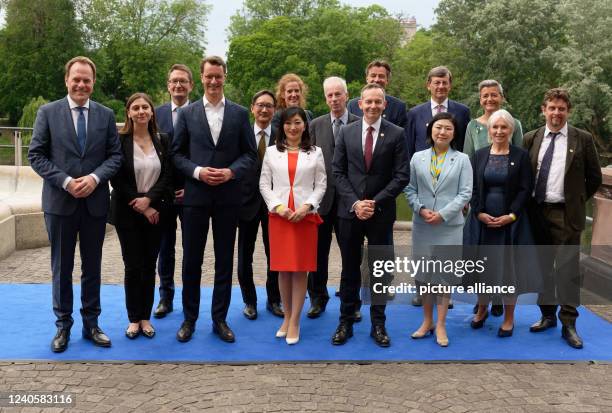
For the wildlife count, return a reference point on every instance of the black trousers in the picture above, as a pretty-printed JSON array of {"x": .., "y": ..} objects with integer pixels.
[
  {"x": 247, "y": 236},
  {"x": 317, "y": 280},
  {"x": 62, "y": 232},
  {"x": 139, "y": 248},
  {"x": 351, "y": 234},
  {"x": 195, "y": 224},
  {"x": 166, "y": 260},
  {"x": 562, "y": 280}
]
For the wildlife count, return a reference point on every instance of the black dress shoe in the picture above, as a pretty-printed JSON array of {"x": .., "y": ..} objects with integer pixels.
[
  {"x": 342, "y": 334},
  {"x": 570, "y": 335},
  {"x": 379, "y": 334},
  {"x": 417, "y": 301},
  {"x": 543, "y": 324},
  {"x": 358, "y": 316},
  {"x": 185, "y": 332},
  {"x": 505, "y": 333},
  {"x": 337, "y": 293},
  {"x": 480, "y": 323},
  {"x": 223, "y": 331},
  {"x": 250, "y": 311},
  {"x": 451, "y": 304},
  {"x": 163, "y": 309},
  {"x": 275, "y": 308},
  {"x": 316, "y": 309},
  {"x": 60, "y": 341},
  {"x": 497, "y": 310},
  {"x": 97, "y": 336}
]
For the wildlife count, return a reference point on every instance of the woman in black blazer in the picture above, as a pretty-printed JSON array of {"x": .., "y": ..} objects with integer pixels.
[
  {"x": 142, "y": 192},
  {"x": 503, "y": 183}
]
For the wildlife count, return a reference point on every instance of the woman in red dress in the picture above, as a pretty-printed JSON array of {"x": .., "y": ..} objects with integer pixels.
[{"x": 292, "y": 184}]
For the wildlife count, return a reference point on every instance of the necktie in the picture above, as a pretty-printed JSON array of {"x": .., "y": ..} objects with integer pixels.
[
  {"x": 439, "y": 109},
  {"x": 367, "y": 152},
  {"x": 81, "y": 129},
  {"x": 540, "y": 189},
  {"x": 336, "y": 128},
  {"x": 261, "y": 146}
]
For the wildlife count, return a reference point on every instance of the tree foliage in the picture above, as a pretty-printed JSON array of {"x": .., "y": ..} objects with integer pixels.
[
  {"x": 40, "y": 36},
  {"x": 29, "y": 116},
  {"x": 314, "y": 40}
]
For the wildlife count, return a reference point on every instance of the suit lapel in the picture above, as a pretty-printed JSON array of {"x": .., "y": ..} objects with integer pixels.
[
  {"x": 203, "y": 120},
  {"x": 226, "y": 111},
  {"x": 447, "y": 166},
  {"x": 70, "y": 127},
  {"x": 425, "y": 167},
  {"x": 380, "y": 141},
  {"x": 535, "y": 148},
  {"x": 128, "y": 150},
  {"x": 357, "y": 146},
  {"x": 91, "y": 116},
  {"x": 572, "y": 141}
]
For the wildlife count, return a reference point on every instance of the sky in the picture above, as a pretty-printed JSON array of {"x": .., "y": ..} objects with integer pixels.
[
  {"x": 219, "y": 17},
  {"x": 222, "y": 10}
]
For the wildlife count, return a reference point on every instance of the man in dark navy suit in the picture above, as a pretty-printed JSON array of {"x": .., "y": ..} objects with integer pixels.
[
  {"x": 371, "y": 169},
  {"x": 214, "y": 148},
  {"x": 379, "y": 72},
  {"x": 76, "y": 151},
  {"x": 254, "y": 212},
  {"x": 439, "y": 84},
  {"x": 180, "y": 85}
]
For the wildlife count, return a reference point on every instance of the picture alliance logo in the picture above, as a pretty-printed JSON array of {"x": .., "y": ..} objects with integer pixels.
[{"x": 412, "y": 267}]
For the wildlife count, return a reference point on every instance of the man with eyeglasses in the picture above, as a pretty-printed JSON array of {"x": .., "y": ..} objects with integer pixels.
[
  {"x": 180, "y": 85},
  {"x": 254, "y": 211}
]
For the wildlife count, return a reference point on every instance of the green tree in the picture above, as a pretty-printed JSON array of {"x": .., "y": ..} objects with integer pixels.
[
  {"x": 29, "y": 116},
  {"x": 321, "y": 40},
  {"x": 40, "y": 36},
  {"x": 134, "y": 42}
]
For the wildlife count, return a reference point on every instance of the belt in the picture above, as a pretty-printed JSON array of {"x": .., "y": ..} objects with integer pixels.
[{"x": 554, "y": 205}]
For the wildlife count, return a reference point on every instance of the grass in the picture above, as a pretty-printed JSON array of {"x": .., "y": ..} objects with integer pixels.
[{"x": 404, "y": 212}]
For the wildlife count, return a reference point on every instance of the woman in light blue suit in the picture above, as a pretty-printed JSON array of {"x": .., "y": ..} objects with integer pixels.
[{"x": 440, "y": 186}]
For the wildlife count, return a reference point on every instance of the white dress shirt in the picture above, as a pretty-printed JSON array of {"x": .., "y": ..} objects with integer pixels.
[
  {"x": 75, "y": 118},
  {"x": 375, "y": 133},
  {"x": 267, "y": 131},
  {"x": 147, "y": 168},
  {"x": 175, "y": 109},
  {"x": 214, "y": 116},
  {"x": 556, "y": 177},
  {"x": 435, "y": 104}
]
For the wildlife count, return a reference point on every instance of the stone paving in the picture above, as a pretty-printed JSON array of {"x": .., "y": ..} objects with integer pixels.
[{"x": 351, "y": 387}]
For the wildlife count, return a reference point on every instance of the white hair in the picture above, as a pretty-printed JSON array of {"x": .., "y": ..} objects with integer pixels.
[
  {"x": 502, "y": 114},
  {"x": 335, "y": 80}
]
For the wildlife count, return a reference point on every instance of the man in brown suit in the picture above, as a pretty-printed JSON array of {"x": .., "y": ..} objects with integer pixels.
[{"x": 567, "y": 171}]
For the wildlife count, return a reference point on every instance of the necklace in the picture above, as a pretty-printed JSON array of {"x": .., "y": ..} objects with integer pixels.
[{"x": 292, "y": 148}]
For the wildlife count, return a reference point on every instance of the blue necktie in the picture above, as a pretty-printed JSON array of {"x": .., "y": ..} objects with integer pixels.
[
  {"x": 81, "y": 129},
  {"x": 540, "y": 189}
]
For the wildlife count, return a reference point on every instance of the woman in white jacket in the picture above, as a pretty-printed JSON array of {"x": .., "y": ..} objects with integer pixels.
[{"x": 292, "y": 184}]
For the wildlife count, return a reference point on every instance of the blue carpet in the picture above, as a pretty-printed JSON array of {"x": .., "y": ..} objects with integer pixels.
[{"x": 27, "y": 328}]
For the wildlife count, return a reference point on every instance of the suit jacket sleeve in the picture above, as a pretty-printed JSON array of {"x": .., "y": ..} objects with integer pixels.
[
  {"x": 111, "y": 165},
  {"x": 401, "y": 173},
  {"x": 411, "y": 133},
  {"x": 525, "y": 185},
  {"x": 475, "y": 206},
  {"x": 180, "y": 147},
  {"x": 40, "y": 149},
  {"x": 592, "y": 169},
  {"x": 266, "y": 182},
  {"x": 245, "y": 163},
  {"x": 464, "y": 192},
  {"x": 340, "y": 171},
  {"x": 412, "y": 190},
  {"x": 121, "y": 182}
]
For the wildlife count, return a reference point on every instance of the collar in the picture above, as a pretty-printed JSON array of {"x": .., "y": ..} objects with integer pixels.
[
  {"x": 174, "y": 106},
  {"x": 267, "y": 129},
  {"x": 343, "y": 118},
  {"x": 434, "y": 104},
  {"x": 563, "y": 130},
  {"x": 375, "y": 125},
  {"x": 207, "y": 103},
  {"x": 73, "y": 104}
]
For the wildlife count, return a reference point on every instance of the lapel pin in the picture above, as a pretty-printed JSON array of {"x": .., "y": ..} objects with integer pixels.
[
  {"x": 384, "y": 116},
  {"x": 512, "y": 163},
  {"x": 381, "y": 135},
  {"x": 571, "y": 150}
]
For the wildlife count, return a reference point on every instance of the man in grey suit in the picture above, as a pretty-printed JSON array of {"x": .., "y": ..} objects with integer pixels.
[
  {"x": 324, "y": 132},
  {"x": 76, "y": 151}
]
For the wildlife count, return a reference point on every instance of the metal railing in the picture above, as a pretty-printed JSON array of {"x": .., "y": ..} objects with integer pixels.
[{"x": 17, "y": 146}]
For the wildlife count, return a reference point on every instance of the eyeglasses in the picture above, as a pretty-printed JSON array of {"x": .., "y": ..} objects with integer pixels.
[
  {"x": 181, "y": 82},
  {"x": 264, "y": 105}
]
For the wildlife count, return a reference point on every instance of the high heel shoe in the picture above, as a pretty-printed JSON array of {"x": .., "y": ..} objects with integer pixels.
[
  {"x": 505, "y": 333},
  {"x": 417, "y": 334},
  {"x": 442, "y": 341},
  {"x": 292, "y": 341},
  {"x": 281, "y": 334},
  {"x": 480, "y": 323}
]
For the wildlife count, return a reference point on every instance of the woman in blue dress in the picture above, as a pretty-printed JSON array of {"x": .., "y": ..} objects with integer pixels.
[
  {"x": 440, "y": 186},
  {"x": 502, "y": 187}
]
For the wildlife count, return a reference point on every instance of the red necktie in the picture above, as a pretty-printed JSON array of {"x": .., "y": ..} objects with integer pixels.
[{"x": 367, "y": 151}]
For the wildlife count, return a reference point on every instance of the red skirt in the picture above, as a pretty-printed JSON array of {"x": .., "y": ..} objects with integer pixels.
[{"x": 293, "y": 246}]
